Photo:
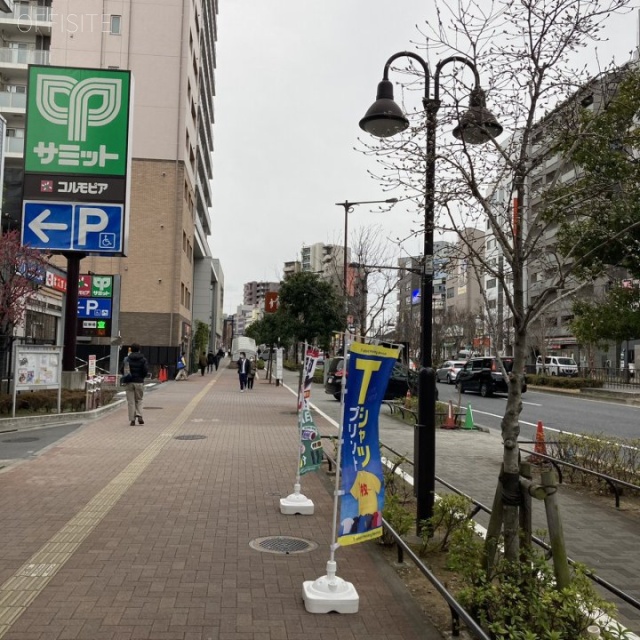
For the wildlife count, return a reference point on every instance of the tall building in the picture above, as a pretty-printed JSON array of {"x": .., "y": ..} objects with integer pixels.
[
  {"x": 254, "y": 292},
  {"x": 169, "y": 278}
]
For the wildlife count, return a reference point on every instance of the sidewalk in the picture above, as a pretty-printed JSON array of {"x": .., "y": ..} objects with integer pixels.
[{"x": 121, "y": 532}]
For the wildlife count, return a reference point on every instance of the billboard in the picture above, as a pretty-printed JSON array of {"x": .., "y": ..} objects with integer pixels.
[{"x": 77, "y": 160}]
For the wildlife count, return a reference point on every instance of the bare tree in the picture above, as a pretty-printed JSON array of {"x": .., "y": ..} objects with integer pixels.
[{"x": 526, "y": 55}]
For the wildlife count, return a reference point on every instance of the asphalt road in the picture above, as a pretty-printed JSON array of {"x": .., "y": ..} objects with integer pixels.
[
  {"x": 560, "y": 412},
  {"x": 22, "y": 445}
]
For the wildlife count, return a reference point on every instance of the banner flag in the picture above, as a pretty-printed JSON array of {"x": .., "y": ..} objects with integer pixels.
[
  {"x": 369, "y": 368},
  {"x": 310, "y": 442}
]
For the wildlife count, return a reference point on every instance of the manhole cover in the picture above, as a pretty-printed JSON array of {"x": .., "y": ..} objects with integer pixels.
[
  {"x": 190, "y": 437},
  {"x": 24, "y": 439},
  {"x": 284, "y": 545},
  {"x": 151, "y": 408},
  {"x": 288, "y": 413}
]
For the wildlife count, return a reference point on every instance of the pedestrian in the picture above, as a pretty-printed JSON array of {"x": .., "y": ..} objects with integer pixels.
[
  {"x": 211, "y": 361},
  {"x": 244, "y": 366},
  {"x": 202, "y": 363},
  {"x": 135, "y": 367},
  {"x": 252, "y": 373},
  {"x": 181, "y": 366},
  {"x": 219, "y": 356}
]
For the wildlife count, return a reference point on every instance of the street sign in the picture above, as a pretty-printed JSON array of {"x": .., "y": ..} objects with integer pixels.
[
  {"x": 93, "y": 328},
  {"x": 94, "y": 308},
  {"x": 65, "y": 226}
]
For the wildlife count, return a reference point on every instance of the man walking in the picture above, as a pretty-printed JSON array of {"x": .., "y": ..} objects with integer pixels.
[
  {"x": 135, "y": 365},
  {"x": 219, "y": 357},
  {"x": 211, "y": 361},
  {"x": 244, "y": 366}
]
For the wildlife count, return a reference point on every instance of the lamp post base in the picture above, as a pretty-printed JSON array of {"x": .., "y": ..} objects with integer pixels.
[{"x": 330, "y": 593}]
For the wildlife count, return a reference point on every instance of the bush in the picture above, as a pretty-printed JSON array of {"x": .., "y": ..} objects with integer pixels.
[
  {"x": 292, "y": 365},
  {"x": 559, "y": 382},
  {"x": 451, "y": 513},
  {"x": 400, "y": 519},
  {"x": 43, "y": 402}
]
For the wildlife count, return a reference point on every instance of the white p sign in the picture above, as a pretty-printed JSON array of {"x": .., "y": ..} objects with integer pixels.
[{"x": 90, "y": 220}]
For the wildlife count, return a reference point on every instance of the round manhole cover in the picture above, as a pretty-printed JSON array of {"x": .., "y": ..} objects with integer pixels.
[
  {"x": 23, "y": 439},
  {"x": 190, "y": 437},
  {"x": 284, "y": 545}
]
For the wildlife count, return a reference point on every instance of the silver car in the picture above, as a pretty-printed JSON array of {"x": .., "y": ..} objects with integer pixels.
[{"x": 449, "y": 371}]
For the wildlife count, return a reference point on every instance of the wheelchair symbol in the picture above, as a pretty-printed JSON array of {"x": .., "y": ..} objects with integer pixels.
[{"x": 107, "y": 240}]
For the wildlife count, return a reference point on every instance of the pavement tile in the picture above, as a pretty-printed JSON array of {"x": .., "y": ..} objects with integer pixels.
[{"x": 169, "y": 556}]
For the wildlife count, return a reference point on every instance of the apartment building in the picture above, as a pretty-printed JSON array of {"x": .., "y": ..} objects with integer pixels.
[
  {"x": 169, "y": 277},
  {"x": 254, "y": 292}
]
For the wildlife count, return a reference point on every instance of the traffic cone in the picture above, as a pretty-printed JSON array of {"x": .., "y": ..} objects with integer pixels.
[
  {"x": 468, "y": 420},
  {"x": 540, "y": 447},
  {"x": 162, "y": 376},
  {"x": 407, "y": 398},
  {"x": 450, "y": 421}
]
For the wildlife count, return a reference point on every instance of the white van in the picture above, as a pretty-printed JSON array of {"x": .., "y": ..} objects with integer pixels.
[
  {"x": 557, "y": 366},
  {"x": 243, "y": 344}
]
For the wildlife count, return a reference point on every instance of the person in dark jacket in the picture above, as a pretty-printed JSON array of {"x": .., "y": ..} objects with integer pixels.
[
  {"x": 202, "y": 363},
  {"x": 219, "y": 357},
  {"x": 211, "y": 361},
  {"x": 135, "y": 365}
]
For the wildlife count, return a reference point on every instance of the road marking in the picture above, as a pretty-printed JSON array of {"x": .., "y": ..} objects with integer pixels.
[
  {"x": 21, "y": 589},
  {"x": 532, "y": 404}
]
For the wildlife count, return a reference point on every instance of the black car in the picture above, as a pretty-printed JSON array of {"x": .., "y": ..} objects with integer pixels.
[
  {"x": 402, "y": 380},
  {"x": 484, "y": 376}
]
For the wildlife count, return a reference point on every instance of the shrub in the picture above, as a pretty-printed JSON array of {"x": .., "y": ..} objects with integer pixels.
[
  {"x": 400, "y": 519},
  {"x": 451, "y": 513},
  {"x": 559, "y": 382},
  {"x": 521, "y": 601}
]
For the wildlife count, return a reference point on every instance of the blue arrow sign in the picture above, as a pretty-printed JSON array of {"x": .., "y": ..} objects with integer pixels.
[
  {"x": 66, "y": 226},
  {"x": 94, "y": 308}
]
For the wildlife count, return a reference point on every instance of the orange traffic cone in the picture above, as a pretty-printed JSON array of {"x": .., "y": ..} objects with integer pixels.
[
  {"x": 450, "y": 421},
  {"x": 162, "y": 376},
  {"x": 407, "y": 399},
  {"x": 540, "y": 446}
]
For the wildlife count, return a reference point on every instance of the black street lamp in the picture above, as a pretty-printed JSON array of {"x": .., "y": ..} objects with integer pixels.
[{"x": 383, "y": 119}]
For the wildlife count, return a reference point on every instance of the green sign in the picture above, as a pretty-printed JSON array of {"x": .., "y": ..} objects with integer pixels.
[
  {"x": 77, "y": 121},
  {"x": 102, "y": 286}
]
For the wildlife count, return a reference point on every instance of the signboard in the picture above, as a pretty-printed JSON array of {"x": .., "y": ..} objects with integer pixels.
[
  {"x": 36, "y": 367},
  {"x": 271, "y": 301},
  {"x": 92, "y": 366},
  {"x": 77, "y": 121},
  {"x": 65, "y": 226},
  {"x": 77, "y": 156},
  {"x": 97, "y": 328},
  {"x": 93, "y": 286},
  {"x": 94, "y": 308}
]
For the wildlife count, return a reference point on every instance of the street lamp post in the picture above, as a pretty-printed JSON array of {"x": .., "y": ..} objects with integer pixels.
[
  {"x": 383, "y": 119},
  {"x": 348, "y": 208}
]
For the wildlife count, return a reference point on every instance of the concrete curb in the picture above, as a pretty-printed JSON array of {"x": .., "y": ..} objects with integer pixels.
[{"x": 25, "y": 423}]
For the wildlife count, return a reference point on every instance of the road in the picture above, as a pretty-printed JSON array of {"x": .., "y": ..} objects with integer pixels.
[{"x": 560, "y": 412}]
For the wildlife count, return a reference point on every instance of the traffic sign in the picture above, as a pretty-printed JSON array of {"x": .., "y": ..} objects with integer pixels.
[
  {"x": 94, "y": 308},
  {"x": 66, "y": 226}
]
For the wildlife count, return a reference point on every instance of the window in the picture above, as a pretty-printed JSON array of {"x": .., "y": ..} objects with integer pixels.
[
  {"x": 450, "y": 292},
  {"x": 115, "y": 25},
  {"x": 491, "y": 283}
]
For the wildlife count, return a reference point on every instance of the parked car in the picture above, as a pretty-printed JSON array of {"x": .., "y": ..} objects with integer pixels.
[
  {"x": 449, "y": 371},
  {"x": 557, "y": 366},
  {"x": 484, "y": 376},
  {"x": 402, "y": 380}
]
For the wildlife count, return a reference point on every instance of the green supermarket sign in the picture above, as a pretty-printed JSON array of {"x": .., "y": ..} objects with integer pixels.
[{"x": 77, "y": 121}]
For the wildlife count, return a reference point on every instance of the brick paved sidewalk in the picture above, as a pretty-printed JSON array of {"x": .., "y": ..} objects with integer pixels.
[{"x": 122, "y": 532}]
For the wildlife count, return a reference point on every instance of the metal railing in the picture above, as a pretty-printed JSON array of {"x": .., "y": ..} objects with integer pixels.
[{"x": 23, "y": 56}]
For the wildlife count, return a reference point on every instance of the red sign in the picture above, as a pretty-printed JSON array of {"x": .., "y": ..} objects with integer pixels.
[
  {"x": 271, "y": 301},
  {"x": 84, "y": 286},
  {"x": 54, "y": 281}
]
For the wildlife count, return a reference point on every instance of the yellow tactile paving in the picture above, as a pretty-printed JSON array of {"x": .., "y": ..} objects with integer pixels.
[{"x": 19, "y": 591}]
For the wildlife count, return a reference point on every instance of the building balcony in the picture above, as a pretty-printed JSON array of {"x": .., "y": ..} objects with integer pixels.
[
  {"x": 14, "y": 101},
  {"x": 27, "y": 15},
  {"x": 6, "y": 6},
  {"x": 14, "y": 146},
  {"x": 23, "y": 57}
]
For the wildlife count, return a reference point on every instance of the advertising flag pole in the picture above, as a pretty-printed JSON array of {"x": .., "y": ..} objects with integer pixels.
[
  {"x": 297, "y": 502},
  {"x": 331, "y": 593}
]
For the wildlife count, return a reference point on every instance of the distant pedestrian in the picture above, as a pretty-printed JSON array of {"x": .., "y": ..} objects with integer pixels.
[
  {"x": 252, "y": 373},
  {"x": 219, "y": 357},
  {"x": 244, "y": 366},
  {"x": 135, "y": 365},
  {"x": 211, "y": 361},
  {"x": 181, "y": 366},
  {"x": 202, "y": 363}
]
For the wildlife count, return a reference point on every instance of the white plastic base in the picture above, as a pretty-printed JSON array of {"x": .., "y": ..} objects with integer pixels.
[
  {"x": 296, "y": 503},
  {"x": 330, "y": 594}
]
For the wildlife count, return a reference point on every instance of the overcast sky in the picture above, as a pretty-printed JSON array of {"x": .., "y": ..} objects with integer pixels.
[{"x": 293, "y": 79}]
